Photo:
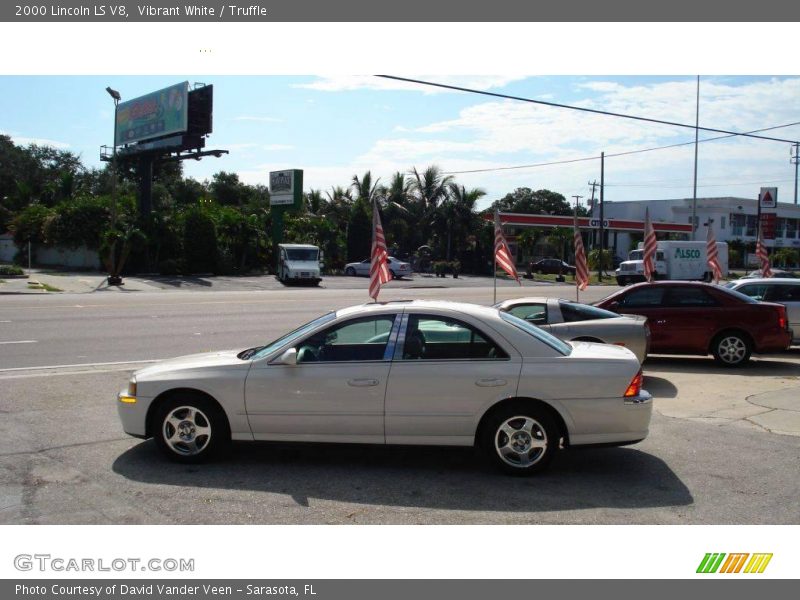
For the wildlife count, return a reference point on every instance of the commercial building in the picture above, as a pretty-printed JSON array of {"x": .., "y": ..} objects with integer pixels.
[{"x": 732, "y": 219}]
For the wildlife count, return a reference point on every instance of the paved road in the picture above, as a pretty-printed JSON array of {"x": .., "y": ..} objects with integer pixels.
[{"x": 712, "y": 457}]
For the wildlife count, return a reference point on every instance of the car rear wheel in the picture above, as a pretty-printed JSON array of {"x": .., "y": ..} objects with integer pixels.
[
  {"x": 520, "y": 439},
  {"x": 393, "y": 274},
  {"x": 350, "y": 271},
  {"x": 731, "y": 349},
  {"x": 191, "y": 429}
]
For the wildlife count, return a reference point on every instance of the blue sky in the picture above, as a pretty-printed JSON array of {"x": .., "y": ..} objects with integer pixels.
[{"x": 335, "y": 127}]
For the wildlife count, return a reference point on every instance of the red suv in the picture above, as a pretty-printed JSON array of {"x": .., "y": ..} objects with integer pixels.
[{"x": 698, "y": 318}]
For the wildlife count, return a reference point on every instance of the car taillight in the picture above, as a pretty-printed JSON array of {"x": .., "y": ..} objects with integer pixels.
[
  {"x": 635, "y": 386},
  {"x": 781, "y": 316}
]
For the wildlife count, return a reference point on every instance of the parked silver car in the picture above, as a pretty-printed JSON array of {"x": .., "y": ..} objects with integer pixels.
[
  {"x": 397, "y": 268},
  {"x": 410, "y": 372},
  {"x": 784, "y": 291},
  {"x": 572, "y": 321}
]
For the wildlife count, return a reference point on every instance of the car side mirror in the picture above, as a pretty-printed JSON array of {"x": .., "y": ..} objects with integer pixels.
[
  {"x": 614, "y": 306},
  {"x": 288, "y": 358}
]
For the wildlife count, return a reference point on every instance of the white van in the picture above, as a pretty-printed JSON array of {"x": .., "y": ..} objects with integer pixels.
[
  {"x": 674, "y": 260},
  {"x": 298, "y": 263}
]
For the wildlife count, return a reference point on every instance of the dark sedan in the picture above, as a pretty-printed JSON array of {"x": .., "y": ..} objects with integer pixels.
[
  {"x": 552, "y": 266},
  {"x": 699, "y": 318}
]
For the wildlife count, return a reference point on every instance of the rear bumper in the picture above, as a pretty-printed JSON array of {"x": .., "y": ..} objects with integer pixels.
[
  {"x": 776, "y": 341},
  {"x": 612, "y": 421}
]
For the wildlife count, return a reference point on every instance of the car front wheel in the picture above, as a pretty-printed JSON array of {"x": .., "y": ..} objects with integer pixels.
[
  {"x": 350, "y": 271},
  {"x": 520, "y": 440},
  {"x": 191, "y": 429},
  {"x": 731, "y": 349}
]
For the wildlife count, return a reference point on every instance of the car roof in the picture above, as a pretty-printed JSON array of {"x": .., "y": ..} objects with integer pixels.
[
  {"x": 299, "y": 246},
  {"x": 793, "y": 280},
  {"x": 475, "y": 310}
]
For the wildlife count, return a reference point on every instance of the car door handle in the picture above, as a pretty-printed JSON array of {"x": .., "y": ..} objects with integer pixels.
[
  {"x": 362, "y": 382},
  {"x": 490, "y": 382}
]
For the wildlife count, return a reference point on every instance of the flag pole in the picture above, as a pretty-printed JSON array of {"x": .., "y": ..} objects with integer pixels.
[
  {"x": 494, "y": 262},
  {"x": 577, "y": 287}
]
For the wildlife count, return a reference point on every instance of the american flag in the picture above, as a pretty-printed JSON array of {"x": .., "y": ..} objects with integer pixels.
[
  {"x": 378, "y": 268},
  {"x": 502, "y": 253},
  {"x": 650, "y": 246},
  {"x": 763, "y": 257},
  {"x": 581, "y": 268},
  {"x": 713, "y": 254}
]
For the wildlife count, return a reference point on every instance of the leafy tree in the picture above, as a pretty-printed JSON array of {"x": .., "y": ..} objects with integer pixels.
[
  {"x": 29, "y": 224},
  {"x": 199, "y": 241},
  {"x": 525, "y": 200}
]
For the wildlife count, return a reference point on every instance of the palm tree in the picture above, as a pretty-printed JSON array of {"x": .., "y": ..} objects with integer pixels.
[
  {"x": 456, "y": 214},
  {"x": 431, "y": 186},
  {"x": 365, "y": 189}
]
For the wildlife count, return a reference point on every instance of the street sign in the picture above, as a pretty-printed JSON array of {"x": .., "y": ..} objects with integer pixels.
[
  {"x": 595, "y": 223},
  {"x": 768, "y": 198},
  {"x": 286, "y": 188}
]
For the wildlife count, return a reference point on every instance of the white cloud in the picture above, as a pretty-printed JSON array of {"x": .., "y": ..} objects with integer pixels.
[
  {"x": 346, "y": 83},
  {"x": 20, "y": 140},
  {"x": 276, "y": 147}
]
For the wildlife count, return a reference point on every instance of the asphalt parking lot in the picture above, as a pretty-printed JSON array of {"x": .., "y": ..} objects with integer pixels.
[{"x": 724, "y": 445}]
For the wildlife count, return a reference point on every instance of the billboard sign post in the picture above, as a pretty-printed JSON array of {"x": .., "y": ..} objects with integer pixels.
[
  {"x": 154, "y": 115},
  {"x": 285, "y": 194}
]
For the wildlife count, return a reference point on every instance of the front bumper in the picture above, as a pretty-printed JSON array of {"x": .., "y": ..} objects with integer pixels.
[{"x": 133, "y": 413}]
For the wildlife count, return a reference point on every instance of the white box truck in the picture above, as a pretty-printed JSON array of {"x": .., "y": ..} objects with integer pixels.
[
  {"x": 299, "y": 263},
  {"x": 673, "y": 260}
]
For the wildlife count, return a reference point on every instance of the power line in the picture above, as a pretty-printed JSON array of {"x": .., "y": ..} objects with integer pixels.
[
  {"x": 626, "y": 153},
  {"x": 582, "y": 109}
]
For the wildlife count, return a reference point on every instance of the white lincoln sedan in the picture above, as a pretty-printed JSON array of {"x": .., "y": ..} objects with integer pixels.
[{"x": 409, "y": 372}]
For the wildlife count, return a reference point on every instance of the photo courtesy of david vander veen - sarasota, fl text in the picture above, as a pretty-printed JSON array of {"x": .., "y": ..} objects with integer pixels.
[{"x": 97, "y": 589}]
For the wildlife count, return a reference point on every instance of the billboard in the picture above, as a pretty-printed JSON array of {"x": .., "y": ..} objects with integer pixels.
[
  {"x": 286, "y": 188},
  {"x": 154, "y": 115}
]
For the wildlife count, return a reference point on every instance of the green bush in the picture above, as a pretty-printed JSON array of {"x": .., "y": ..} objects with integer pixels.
[
  {"x": 594, "y": 259},
  {"x": 29, "y": 224},
  {"x": 78, "y": 222},
  {"x": 10, "y": 270},
  {"x": 199, "y": 242},
  {"x": 440, "y": 268}
]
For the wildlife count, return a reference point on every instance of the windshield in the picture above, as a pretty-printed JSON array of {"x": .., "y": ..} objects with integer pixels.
[
  {"x": 262, "y": 351},
  {"x": 552, "y": 341},
  {"x": 636, "y": 255},
  {"x": 303, "y": 254},
  {"x": 739, "y": 295}
]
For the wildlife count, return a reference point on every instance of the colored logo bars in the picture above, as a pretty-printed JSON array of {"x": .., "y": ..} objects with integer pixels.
[
  {"x": 650, "y": 245},
  {"x": 581, "y": 267},
  {"x": 378, "y": 269},
  {"x": 734, "y": 563},
  {"x": 713, "y": 255},
  {"x": 502, "y": 254}
]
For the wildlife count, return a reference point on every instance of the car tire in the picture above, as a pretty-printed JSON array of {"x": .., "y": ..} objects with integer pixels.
[
  {"x": 393, "y": 274},
  {"x": 731, "y": 348},
  {"x": 519, "y": 439},
  {"x": 190, "y": 428},
  {"x": 350, "y": 271}
]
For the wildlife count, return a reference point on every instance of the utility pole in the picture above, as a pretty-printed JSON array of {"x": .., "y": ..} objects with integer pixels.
[
  {"x": 594, "y": 184},
  {"x": 694, "y": 187},
  {"x": 796, "y": 160},
  {"x": 602, "y": 230}
]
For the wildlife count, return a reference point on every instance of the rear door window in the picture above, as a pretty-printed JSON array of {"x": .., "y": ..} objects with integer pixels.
[
  {"x": 644, "y": 297},
  {"x": 431, "y": 337},
  {"x": 689, "y": 296},
  {"x": 572, "y": 311}
]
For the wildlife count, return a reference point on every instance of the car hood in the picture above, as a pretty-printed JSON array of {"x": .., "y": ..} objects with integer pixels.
[{"x": 191, "y": 361}]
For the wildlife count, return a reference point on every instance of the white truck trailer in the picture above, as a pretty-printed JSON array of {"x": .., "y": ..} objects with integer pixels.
[{"x": 673, "y": 260}]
